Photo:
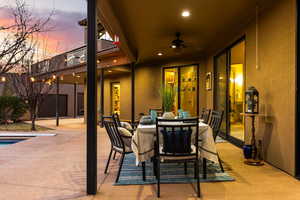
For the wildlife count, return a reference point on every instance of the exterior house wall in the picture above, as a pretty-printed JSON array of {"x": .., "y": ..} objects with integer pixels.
[
  {"x": 149, "y": 82},
  {"x": 274, "y": 78},
  {"x": 125, "y": 96},
  {"x": 68, "y": 89}
]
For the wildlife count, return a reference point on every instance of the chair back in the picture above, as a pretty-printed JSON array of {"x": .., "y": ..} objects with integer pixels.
[
  {"x": 116, "y": 118},
  {"x": 205, "y": 115},
  {"x": 215, "y": 122},
  {"x": 159, "y": 111},
  {"x": 177, "y": 136},
  {"x": 113, "y": 132}
]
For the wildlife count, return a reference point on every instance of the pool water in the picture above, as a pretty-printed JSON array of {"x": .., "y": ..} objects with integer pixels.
[{"x": 8, "y": 142}]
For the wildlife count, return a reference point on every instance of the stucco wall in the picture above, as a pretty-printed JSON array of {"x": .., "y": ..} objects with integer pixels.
[
  {"x": 68, "y": 89},
  {"x": 149, "y": 82},
  {"x": 125, "y": 97},
  {"x": 274, "y": 78}
]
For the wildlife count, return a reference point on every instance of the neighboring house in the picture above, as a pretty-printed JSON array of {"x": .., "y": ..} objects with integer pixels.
[{"x": 69, "y": 106}]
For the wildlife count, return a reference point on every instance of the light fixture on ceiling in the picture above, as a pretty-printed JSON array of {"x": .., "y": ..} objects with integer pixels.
[
  {"x": 109, "y": 71},
  {"x": 115, "y": 60},
  {"x": 185, "y": 13},
  {"x": 177, "y": 43},
  {"x": 160, "y": 54},
  {"x": 3, "y": 79}
]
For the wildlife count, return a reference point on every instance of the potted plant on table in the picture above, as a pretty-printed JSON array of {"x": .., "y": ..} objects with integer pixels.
[{"x": 168, "y": 96}]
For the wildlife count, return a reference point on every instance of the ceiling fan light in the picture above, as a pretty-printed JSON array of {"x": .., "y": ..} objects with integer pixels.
[{"x": 173, "y": 46}]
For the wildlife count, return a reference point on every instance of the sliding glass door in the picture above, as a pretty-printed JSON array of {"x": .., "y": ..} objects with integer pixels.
[
  {"x": 220, "y": 96},
  {"x": 230, "y": 89},
  {"x": 185, "y": 80}
]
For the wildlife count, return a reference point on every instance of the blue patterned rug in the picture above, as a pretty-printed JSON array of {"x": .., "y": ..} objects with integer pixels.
[{"x": 170, "y": 173}]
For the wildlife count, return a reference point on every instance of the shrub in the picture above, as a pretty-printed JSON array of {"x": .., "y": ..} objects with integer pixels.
[{"x": 11, "y": 108}]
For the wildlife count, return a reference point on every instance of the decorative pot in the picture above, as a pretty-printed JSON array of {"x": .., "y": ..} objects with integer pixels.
[
  {"x": 248, "y": 151},
  {"x": 168, "y": 115}
]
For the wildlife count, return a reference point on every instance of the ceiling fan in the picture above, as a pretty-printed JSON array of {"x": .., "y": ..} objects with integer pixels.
[{"x": 177, "y": 43}]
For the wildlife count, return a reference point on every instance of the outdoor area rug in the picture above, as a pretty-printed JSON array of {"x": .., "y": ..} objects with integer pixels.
[{"x": 170, "y": 173}]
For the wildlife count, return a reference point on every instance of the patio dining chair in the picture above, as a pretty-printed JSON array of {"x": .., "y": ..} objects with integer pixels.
[
  {"x": 120, "y": 143},
  {"x": 176, "y": 145},
  {"x": 131, "y": 126},
  {"x": 205, "y": 115},
  {"x": 215, "y": 123}
]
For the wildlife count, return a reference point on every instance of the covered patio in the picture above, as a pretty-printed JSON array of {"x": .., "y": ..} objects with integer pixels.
[
  {"x": 204, "y": 35},
  {"x": 148, "y": 34}
]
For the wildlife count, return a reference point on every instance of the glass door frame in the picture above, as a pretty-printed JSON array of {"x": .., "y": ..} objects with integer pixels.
[
  {"x": 227, "y": 51},
  {"x": 178, "y": 67}
]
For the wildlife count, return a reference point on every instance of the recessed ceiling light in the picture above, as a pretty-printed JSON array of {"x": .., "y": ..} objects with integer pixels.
[
  {"x": 160, "y": 54},
  {"x": 185, "y": 13}
]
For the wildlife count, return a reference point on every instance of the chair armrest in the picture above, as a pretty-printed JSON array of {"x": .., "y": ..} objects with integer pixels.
[{"x": 126, "y": 137}]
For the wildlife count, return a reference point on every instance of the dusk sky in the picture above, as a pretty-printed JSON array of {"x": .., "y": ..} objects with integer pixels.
[{"x": 67, "y": 34}]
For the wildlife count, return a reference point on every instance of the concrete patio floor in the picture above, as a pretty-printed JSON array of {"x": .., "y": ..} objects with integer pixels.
[{"x": 53, "y": 168}]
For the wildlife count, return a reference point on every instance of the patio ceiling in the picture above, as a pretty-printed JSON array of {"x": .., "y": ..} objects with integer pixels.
[{"x": 148, "y": 27}]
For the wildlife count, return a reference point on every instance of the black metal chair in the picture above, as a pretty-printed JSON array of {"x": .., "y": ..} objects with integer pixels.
[
  {"x": 215, "y": 123},
  {"x": 118, "y": 121},
  {"x": 205, "y": 115},
  {"x": 177, "y": 145},
  {"x": 119, "y": 143}
]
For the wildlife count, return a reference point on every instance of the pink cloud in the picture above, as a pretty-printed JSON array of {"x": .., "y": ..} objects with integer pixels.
[{"x": 65, "y": 33}]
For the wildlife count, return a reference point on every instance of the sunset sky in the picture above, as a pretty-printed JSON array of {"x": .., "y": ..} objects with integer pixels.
[{"x": 67, "y": 34}]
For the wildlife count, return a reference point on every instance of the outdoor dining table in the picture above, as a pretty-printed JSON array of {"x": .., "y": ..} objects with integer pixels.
[{"x": 144, "y": 138}]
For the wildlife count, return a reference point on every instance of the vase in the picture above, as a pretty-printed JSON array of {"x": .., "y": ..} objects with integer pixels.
[
  {"x": 168, "y": 115},
  {"x": 248, "y": 151}
]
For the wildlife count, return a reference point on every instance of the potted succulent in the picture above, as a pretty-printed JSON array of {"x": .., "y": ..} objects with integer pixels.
[{"x": 168, "y": 97}]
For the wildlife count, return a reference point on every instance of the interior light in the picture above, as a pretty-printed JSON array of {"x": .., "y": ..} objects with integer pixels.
[
  {"x": 173, "y": 46},
  {"x": 115, "y": 61},
  {"x": 3, "y": 79},
  {"x": 54, "y": 76},
  {"x": 32, "y": 79},
  {"x": 109, "y": 71},
  {"x": 160, "y": 54},
  {"x": 185, "y": 13}
]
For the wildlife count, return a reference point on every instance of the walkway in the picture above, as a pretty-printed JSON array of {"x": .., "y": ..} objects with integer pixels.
[{"x": 53, "y": 168}]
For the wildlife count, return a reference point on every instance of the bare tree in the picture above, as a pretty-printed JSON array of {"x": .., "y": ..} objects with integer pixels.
[
  {"x": 28, "y": 86},
  {"x": 15, "y": 46}
]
